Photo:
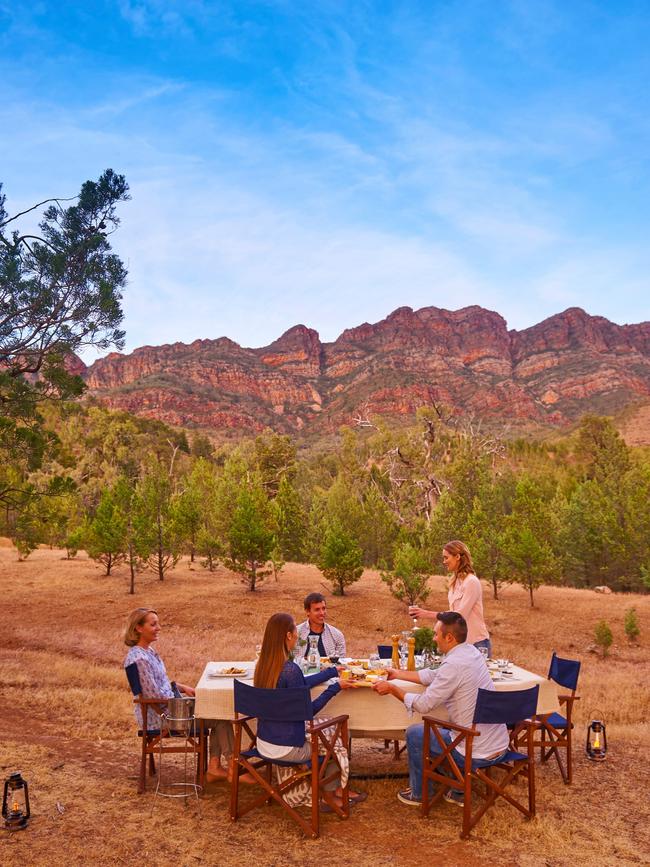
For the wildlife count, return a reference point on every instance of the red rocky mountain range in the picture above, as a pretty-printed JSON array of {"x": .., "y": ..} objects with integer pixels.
[{"x": 468, "y": 360}]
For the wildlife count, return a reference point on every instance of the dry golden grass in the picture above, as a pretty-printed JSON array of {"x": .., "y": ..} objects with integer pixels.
[{"x": 67, "y": 724}]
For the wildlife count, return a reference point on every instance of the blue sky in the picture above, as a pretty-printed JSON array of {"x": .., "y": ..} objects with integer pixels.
[{"x": 326, "y": 162}]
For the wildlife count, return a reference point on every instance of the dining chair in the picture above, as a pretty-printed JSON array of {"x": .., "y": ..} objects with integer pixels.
[
  {"x": 156, "y": 740},
  {"x": 285, "y": 705},
  {"x": 555, "y": 729},
  {"x": 452, "y": 770}
]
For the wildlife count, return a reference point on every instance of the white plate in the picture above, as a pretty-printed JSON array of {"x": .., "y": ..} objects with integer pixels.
[{"x": 245, "y": 673}]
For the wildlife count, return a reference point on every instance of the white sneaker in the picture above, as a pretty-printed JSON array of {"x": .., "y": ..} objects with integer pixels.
[{"x": 452, "y": 796}]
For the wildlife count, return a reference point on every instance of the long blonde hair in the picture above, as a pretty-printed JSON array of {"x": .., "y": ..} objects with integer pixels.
[
  {"x": 465, "y": 565},
  {"x": 274, "y": 652},
  {"x": 136, "y": 618}
]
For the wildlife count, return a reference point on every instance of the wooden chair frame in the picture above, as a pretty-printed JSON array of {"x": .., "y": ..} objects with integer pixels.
[
  {"x": 397, "y": 750},
  {"x": 257, "y": 765},
  {"x": 552, "y": 737},
  {"x": 462, "y": 778},
  {"x": 154, "y": 741},
  {"x": 555, "y": 738}
]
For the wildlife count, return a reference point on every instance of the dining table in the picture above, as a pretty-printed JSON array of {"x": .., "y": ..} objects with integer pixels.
[{"x": 370, "y": 715}]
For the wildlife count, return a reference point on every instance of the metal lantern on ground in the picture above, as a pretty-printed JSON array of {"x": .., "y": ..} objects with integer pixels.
[
  {"x": 596, "y": 747},
  {"x": 15, "y": 802}
]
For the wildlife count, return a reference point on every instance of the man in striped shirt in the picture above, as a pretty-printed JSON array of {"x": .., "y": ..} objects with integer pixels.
[
  {"x": 455, "y": 685},
  {"x": 331, "y": 641}
]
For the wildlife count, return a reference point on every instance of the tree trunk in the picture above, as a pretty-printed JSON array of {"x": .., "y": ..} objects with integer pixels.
[
  {"x": 109, "y": 563},
  {"x": 132, "y": 568},
  {"x": 530, "y": 590},
  {"x": 253, "y": 576},
  {"x": 495, "y": 588},
  {"x": 161, "y": 571}
]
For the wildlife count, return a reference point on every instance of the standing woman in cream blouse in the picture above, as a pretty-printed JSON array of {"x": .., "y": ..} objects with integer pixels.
[{"x": 465, "y": 594}]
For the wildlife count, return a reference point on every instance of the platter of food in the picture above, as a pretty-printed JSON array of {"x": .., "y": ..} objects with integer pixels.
[
  {"x": 233, "y": 671},
  {"x": 362, "y": 676}
]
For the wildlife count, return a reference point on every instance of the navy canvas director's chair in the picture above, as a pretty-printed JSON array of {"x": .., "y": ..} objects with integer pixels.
[
  {"x": 155, "y": 740},
  {"x": 284, "y": 705},
  {"x": 555, "y": 729},
  {"x": 516, "y": 708}
]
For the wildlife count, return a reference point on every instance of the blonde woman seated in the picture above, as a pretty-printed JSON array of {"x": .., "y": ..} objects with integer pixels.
[
  {"x": 276, "y": 669},
  {"x": 142, "y": 630}
]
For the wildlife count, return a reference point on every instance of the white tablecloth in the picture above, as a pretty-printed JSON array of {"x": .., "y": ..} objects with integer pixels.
[{"x": 370, "y": 713}]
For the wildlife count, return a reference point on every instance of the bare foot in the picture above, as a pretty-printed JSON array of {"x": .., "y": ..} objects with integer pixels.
[
  {"x": 354, "y": 797},
  {"x": 215, "y": 771},
  {"x": 332, "y": 800},
  {"x": 243, "y": 778}
]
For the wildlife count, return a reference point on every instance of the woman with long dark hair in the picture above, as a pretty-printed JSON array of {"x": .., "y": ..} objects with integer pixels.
[
  {"x": 465, "y": 594},
  {"x": 276, "y": 669}
]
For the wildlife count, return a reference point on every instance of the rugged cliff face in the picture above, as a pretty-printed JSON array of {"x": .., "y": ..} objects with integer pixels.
[{"x": 466, "y": 359}]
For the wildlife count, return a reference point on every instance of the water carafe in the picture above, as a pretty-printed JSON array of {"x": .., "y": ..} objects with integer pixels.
[{"x": 313, "y": 655}]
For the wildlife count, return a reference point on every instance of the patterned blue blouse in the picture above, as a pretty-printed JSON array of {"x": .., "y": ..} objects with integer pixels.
[{"x": 153, "y": 680}]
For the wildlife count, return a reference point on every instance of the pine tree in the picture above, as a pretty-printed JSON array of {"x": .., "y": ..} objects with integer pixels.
[
  {"x": 137, "y": 531},
  {"x": 484, "y": 526},
  {"x": 105, "y": 536},
  {"x": 341, "y": 559},
  {"x": 379, "y": 530},
  {"x": 188, "y": 514},
  {"x": 603, "y": 636},
  {"x": 602, "y": 450},
  {"x": 161, "y": 538},
  {"x": 28, "y": 529},
  {"x": 593, "y": 533},
  {"x": 525, "y": 541},
  {"x": 632, "y": 625},
  {"x": 250, "y": 537},
  {"x": 275, "y": 459},
  {"x": 290, "y": 522}
]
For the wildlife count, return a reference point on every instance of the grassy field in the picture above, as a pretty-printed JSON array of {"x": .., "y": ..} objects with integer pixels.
[{"x": 67, "y": 724}]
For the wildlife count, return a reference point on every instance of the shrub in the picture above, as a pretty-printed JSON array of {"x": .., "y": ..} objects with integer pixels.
[
  {"x": 424, "y": 640},
  {"x": 631, "y": 625},
  {"x": 408, "y": 580},
  {"x": 603, "y": 636}
]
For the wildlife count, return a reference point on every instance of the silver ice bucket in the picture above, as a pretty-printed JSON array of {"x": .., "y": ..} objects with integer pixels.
[{"x": 180, "y": 713}]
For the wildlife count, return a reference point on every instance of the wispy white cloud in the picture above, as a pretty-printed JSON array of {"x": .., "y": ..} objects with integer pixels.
[{"x": 373, "y": 191}]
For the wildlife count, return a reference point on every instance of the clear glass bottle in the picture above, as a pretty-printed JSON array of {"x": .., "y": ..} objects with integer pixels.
[{"x": 313, "y": 656}]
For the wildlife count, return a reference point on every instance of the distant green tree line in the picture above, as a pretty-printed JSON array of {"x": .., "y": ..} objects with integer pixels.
[{"x": 575, "y": 511}]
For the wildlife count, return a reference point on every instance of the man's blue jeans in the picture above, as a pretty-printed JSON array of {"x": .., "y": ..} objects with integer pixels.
[
  {"x": 414, "y": 744},
  {"x": 485, "y": 642}
]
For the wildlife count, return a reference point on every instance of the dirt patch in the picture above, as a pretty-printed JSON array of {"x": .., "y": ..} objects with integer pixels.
[{"x": 70, "y": 727}]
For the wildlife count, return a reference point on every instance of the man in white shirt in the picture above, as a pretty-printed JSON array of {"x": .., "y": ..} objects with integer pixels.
[
  {"x": 455, "y": 685},
  {"x": 331, "y": 641}
]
